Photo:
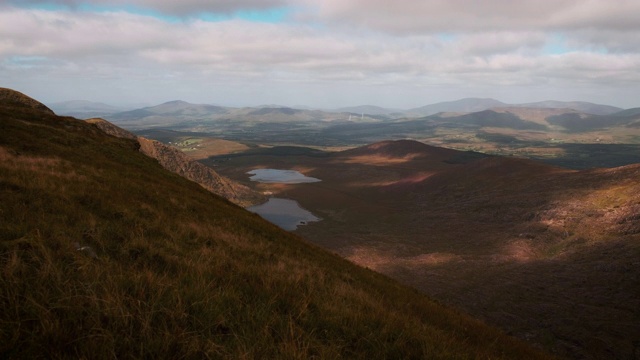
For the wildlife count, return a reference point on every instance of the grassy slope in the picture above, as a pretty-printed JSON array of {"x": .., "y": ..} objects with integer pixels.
[{"x": 173, "y": 271}]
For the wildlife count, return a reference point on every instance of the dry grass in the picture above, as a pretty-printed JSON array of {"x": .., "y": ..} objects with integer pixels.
[{"x": 104, "y": 254}]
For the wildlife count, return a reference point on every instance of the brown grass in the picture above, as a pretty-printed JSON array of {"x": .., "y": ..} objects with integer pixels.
[{"x": 125, "y": 260}]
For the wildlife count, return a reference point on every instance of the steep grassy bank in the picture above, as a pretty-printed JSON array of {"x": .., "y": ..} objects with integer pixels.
[{"x": 105, "y": 254}]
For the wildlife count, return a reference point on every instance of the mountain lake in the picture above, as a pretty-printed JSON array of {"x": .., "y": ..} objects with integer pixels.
[
  {"x": 275, "y": 176},
  {"x": 286, "y": 213}
]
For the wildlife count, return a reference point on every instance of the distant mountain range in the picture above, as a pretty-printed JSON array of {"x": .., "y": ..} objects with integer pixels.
[
  {"x": 475, "y": 104},
  {"x": 86, "y": 109},
  {"x": 370, "y": 110}
]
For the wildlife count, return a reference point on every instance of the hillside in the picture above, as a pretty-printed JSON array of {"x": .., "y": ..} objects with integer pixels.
[
  {"x": 104, "y": 254},
  {"x": 546, "y": 253},
  {"x": 177, "y": 162}
]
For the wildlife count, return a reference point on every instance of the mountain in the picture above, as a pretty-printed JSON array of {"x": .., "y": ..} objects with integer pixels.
[
  {"x": 586, "y": 107},
  {"x": 405, "y": 149},
  {"x": 462, "y": 105},
  {"x": 548, "y": 254},
  {"x": 476, "y": 104},
  {"x": 534, "y": 114},
  {"x": 274, "y": 111},
  {"x": 199, "y": 117},
  {"x": 369, "y": 110},
  {"x": 168, "y": 112},
  {"x": 83, "y": 109},
  {"x": 628, "y": 112},
  {"x": 491, "y": 118},
  {"x": 105, "y": 254}
]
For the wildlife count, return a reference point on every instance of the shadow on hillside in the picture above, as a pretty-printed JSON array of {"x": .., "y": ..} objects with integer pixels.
[{"x": 585, "y": 156}]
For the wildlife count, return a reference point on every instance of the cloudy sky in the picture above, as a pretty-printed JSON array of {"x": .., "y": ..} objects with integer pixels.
[{"x": 321, "y": 53}]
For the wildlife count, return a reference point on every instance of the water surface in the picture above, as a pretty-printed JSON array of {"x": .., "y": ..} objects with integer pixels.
[
  {"x": 284, "y": 212},
  {"x": 280, "y": 176}
]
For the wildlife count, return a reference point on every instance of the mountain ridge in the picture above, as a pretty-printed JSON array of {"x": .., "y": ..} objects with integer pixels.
[
  {"x": 464, "y": 105},
  {"x": 177, "y": 162}
]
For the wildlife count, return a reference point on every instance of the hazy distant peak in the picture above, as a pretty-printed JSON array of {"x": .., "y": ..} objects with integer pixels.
[
  {"x": 462, "y": 105},
  {"x": 176, "y": 103},
  {"x": 82, "y": 104},
  {"x": 368, "y": 110},
  {"x": 628, "y": 112},
  {"x": 582, "y": 106}
]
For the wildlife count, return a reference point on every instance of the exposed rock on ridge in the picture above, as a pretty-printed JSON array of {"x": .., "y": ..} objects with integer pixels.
[
  {"x": 177, "y": 162},
  {"x": 111, "y": 129}
]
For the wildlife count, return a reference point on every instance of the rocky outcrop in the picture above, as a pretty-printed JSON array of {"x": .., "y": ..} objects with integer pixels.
[
  {"x": 16, "y": 98},
  {"x": 111, "y": 129},
  {"x": 177, "y": 162}
]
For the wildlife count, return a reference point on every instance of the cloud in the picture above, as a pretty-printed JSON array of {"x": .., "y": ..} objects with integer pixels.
[
  {"x": 247, "y": 49},
  {"x": 412, "y": 16},
  {"x": 168, "y": 7},
  {"x": 359, "y": 55}
]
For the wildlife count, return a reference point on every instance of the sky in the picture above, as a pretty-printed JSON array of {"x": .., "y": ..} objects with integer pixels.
[{"x": 321, "y": 53}]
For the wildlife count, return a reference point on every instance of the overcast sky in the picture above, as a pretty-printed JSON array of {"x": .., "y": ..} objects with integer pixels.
[{"x": 321, "y": 53}]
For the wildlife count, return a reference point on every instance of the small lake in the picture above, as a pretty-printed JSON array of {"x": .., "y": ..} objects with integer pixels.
[
  {"x": 284, "y": 212},
  {"x": 274, "y": 176}
]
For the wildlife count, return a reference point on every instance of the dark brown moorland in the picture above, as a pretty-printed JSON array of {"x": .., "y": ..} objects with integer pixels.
[{"x": 548, "y": 254}]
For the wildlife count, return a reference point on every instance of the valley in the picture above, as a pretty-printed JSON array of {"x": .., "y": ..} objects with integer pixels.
[
  {"x": 546, "y": 253},
  {"x": 524, "y": 216},
  {"x": 559, "y": 135}
]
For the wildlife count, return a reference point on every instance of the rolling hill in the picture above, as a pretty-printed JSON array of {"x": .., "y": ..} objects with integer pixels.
[
  {"x": 370, "y": 110},
  {"x": 105, "y": 254},
  {"x": 551, "y": 131},
  {"x": 468, "y": 105},
  {"x": 168, "y": 113},
  {"x": 463, "y": 105},
  {"x": 582, "y": 106}
]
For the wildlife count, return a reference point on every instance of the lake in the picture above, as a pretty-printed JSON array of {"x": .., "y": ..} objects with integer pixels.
[
  {"x": 275, "y": 176},
  {"x": 284, "y": 212}
]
